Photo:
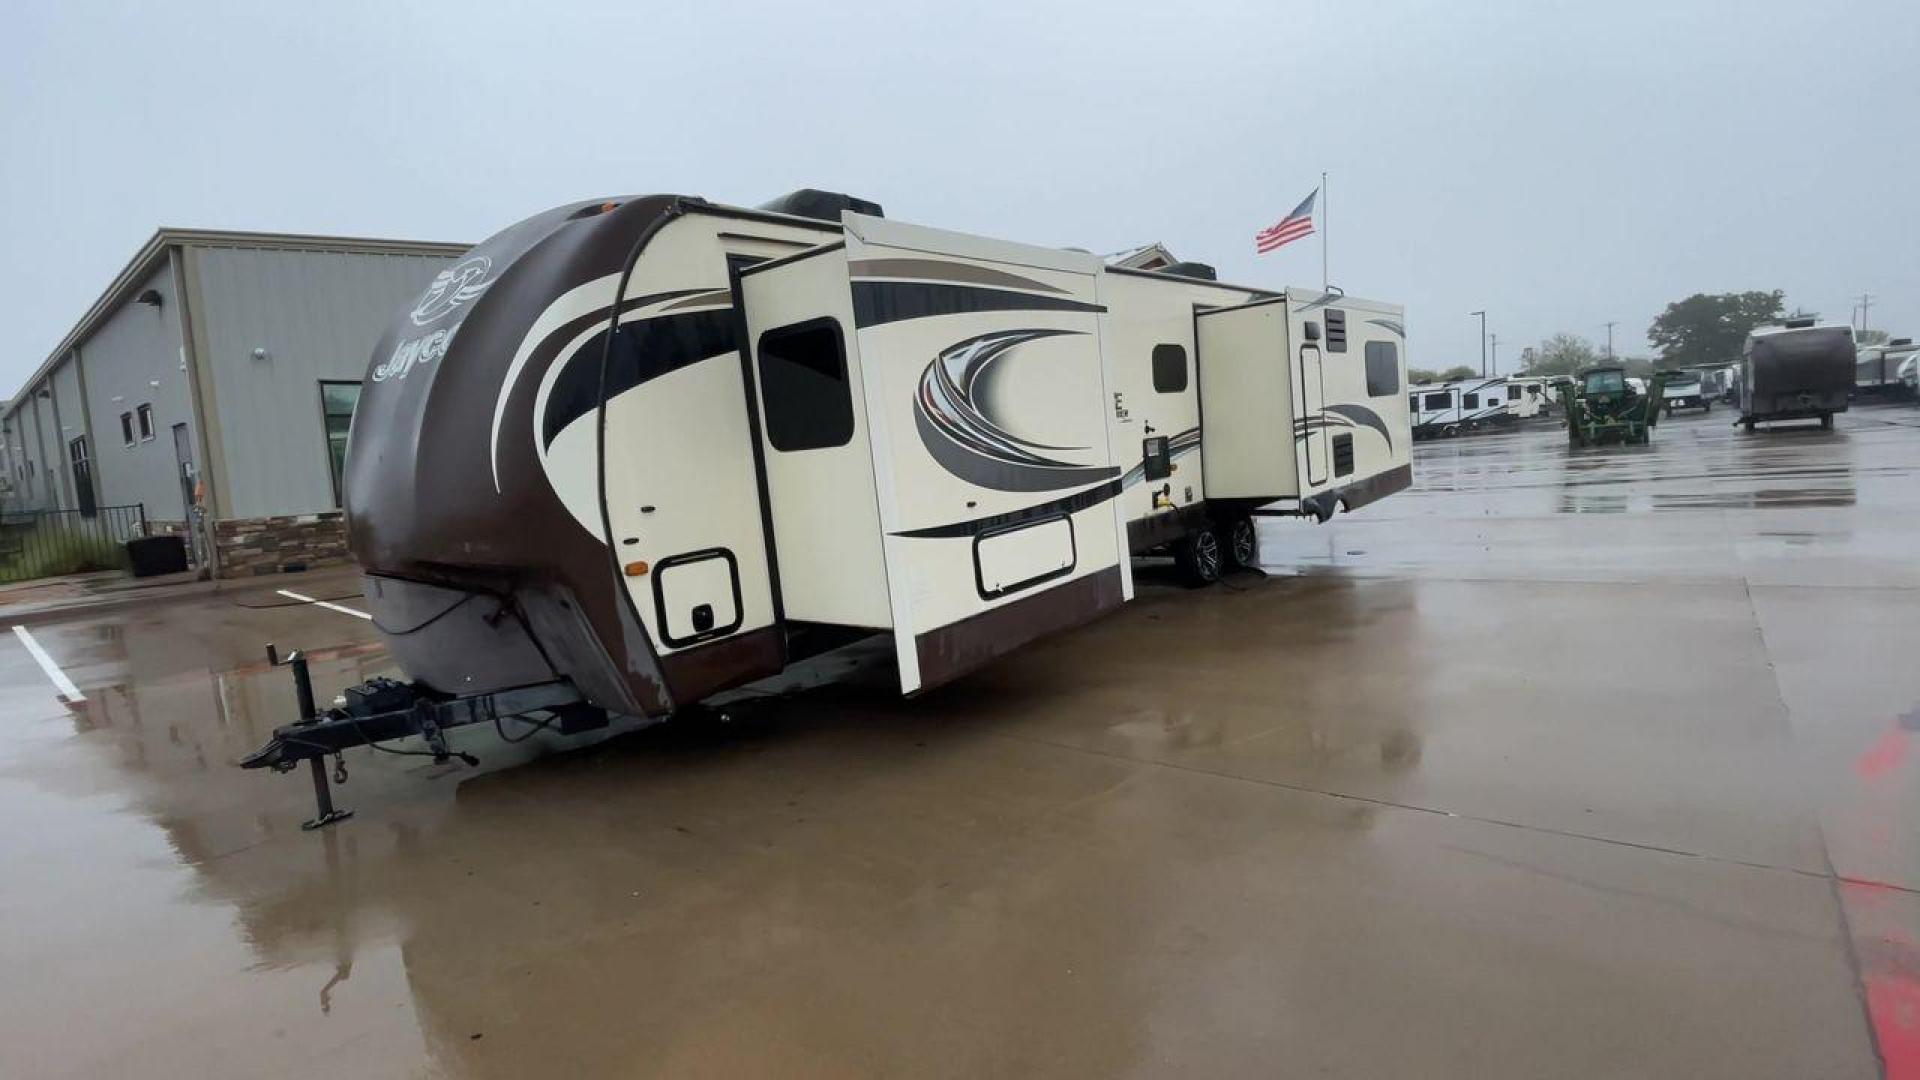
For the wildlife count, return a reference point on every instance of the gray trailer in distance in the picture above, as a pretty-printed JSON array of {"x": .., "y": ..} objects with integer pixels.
[{"x": 1799, "y": 371}]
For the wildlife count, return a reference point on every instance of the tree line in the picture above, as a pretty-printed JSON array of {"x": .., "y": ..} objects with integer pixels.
[{"x": 1704, "y": 329}]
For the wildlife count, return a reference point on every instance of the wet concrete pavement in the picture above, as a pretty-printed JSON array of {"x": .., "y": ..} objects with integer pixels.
[{"x": 1559, "y": 765}]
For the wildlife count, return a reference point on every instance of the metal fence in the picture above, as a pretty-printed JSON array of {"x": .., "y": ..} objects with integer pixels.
[{"x": 43, "y": 543}]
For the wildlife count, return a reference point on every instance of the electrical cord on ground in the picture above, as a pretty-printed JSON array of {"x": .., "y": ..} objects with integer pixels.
[
  {"x": 294, "y": 603},
  {"x": 444, "y": 612},
  {"x": 535, "y": 729},
  {"x": 382, "y": 627}
]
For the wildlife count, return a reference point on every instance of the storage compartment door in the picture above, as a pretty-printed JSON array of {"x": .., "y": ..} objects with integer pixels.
[
  {"x": 697, "y": 597},
  {"x": 987, "y": 401}
]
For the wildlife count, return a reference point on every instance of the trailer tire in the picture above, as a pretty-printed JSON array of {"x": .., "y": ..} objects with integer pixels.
[
  {"x": 1200, "y": 556},
  {"x": 1243, "y": 543},
  {"x": 1748, "y": 424},
  {"x": 1450, "y": 431}
]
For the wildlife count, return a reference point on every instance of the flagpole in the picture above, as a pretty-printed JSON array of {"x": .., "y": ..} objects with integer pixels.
[{"x": 1325, "y": 218}]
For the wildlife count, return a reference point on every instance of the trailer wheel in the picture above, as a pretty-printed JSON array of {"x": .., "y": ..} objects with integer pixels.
[
  {"x": 1449, "y": 431},
  {"x": 1748, "y": 424},
  {"x": 1243, "y": 543},
  {"x": 1200, "y": 557}
]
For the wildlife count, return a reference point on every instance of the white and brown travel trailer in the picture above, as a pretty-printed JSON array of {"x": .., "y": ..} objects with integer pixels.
[
  {"x": 1794, "y": 372},
  {"x": 626, "y": 455}
]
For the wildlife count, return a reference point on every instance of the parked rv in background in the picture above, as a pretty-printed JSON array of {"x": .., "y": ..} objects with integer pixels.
[
  {"x": 1456, "y": 408},
  {"x": 1683, "y": 390},
  {"x": 1798, "y": 371},
  {"x": 1876, "y": 368},
  {"x": 666, "y": 447},
  {"x": 1717, "y": 382},
  {"x": 1530, "y": 396},
  {"x": 1910, "y": 376}
]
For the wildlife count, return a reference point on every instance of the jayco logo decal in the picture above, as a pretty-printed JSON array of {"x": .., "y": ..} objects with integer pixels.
[
  {"x": 420, "y": 350},
  {"x": 457, "y": 284}
]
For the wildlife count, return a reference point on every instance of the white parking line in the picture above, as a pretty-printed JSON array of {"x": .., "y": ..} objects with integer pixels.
[
  {"x": 54, "y": 674},
  {"x": 291, "y": 595}
]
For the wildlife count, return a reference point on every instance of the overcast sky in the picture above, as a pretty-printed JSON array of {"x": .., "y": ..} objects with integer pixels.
[{"x": 1558, "y": 164}]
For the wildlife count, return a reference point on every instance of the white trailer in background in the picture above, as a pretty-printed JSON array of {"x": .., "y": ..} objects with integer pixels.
[
  {"x": 1529, "y": 396},
  {"x": 1876, "y": 368},
  {"x": 1685, "y": 390},
  {"x": 1467, "y": 406}
]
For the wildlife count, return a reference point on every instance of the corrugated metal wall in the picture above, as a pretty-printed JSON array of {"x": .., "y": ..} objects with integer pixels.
[
  {"x": 69, "y": 423},
  {"x": 318, "y": 316},
  {"x": 135, "y": 359}
]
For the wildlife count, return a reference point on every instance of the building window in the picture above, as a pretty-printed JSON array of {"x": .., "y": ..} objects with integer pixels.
[
  {"x": 803, "y": 381},
  {"x": 82, "y": 463},
  {"x": 146, "y": 422},
  {"x": 337, "y": 402},
  {"x": 1169, "y": 369},
  {"x": 126, "y": 428},
  {"x": 1383, "y": 369}
]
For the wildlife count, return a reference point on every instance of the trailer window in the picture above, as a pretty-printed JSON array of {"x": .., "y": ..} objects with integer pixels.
[
  {"x": 1472, "y": 401},
  {"x": 803, "y": 381},
  {"x": 1437, "y": 401},
  {"x": 1383, "y": 369},
  {"x": 1169, "y": 369}
]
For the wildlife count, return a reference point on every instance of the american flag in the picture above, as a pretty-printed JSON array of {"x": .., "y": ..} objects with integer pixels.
[{"x": 1290, "y": 228}]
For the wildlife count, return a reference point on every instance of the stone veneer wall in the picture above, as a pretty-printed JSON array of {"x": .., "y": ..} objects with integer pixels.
[{"x": 254, "y": 546}]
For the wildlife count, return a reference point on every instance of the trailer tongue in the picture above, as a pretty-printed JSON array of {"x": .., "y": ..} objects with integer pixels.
[{"x": 628, "y": 455}]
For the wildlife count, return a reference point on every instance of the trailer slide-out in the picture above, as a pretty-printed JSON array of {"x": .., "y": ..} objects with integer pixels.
[{"x": 626, "y": 455}]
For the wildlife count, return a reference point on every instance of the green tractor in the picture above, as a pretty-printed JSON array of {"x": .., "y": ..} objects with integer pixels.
[{"x": 1604, "y": 407}]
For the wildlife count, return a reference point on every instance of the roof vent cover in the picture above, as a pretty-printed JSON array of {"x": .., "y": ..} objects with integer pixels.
[
  {"x": 1192, "y": 270},
  {"x": 821, "y": 205}
]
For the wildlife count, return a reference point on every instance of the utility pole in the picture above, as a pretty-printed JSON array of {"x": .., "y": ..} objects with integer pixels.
[
  {"x": 1610, "y": 327},
  {"x": 1483, "y": 341},
  {"x": 1495, "y": 339},
  {"x": 1866, "y": 301}
]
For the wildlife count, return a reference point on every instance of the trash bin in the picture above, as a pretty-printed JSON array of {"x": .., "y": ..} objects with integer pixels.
[{"x": 152, "y": 555}]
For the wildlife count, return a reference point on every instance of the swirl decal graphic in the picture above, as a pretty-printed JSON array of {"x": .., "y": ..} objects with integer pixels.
[
  {"x": 461, "y": 283},
  {"x": 956, "y": 430}
]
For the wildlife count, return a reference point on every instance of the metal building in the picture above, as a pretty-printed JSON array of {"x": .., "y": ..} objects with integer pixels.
[{"x": 212, "y": 384}]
